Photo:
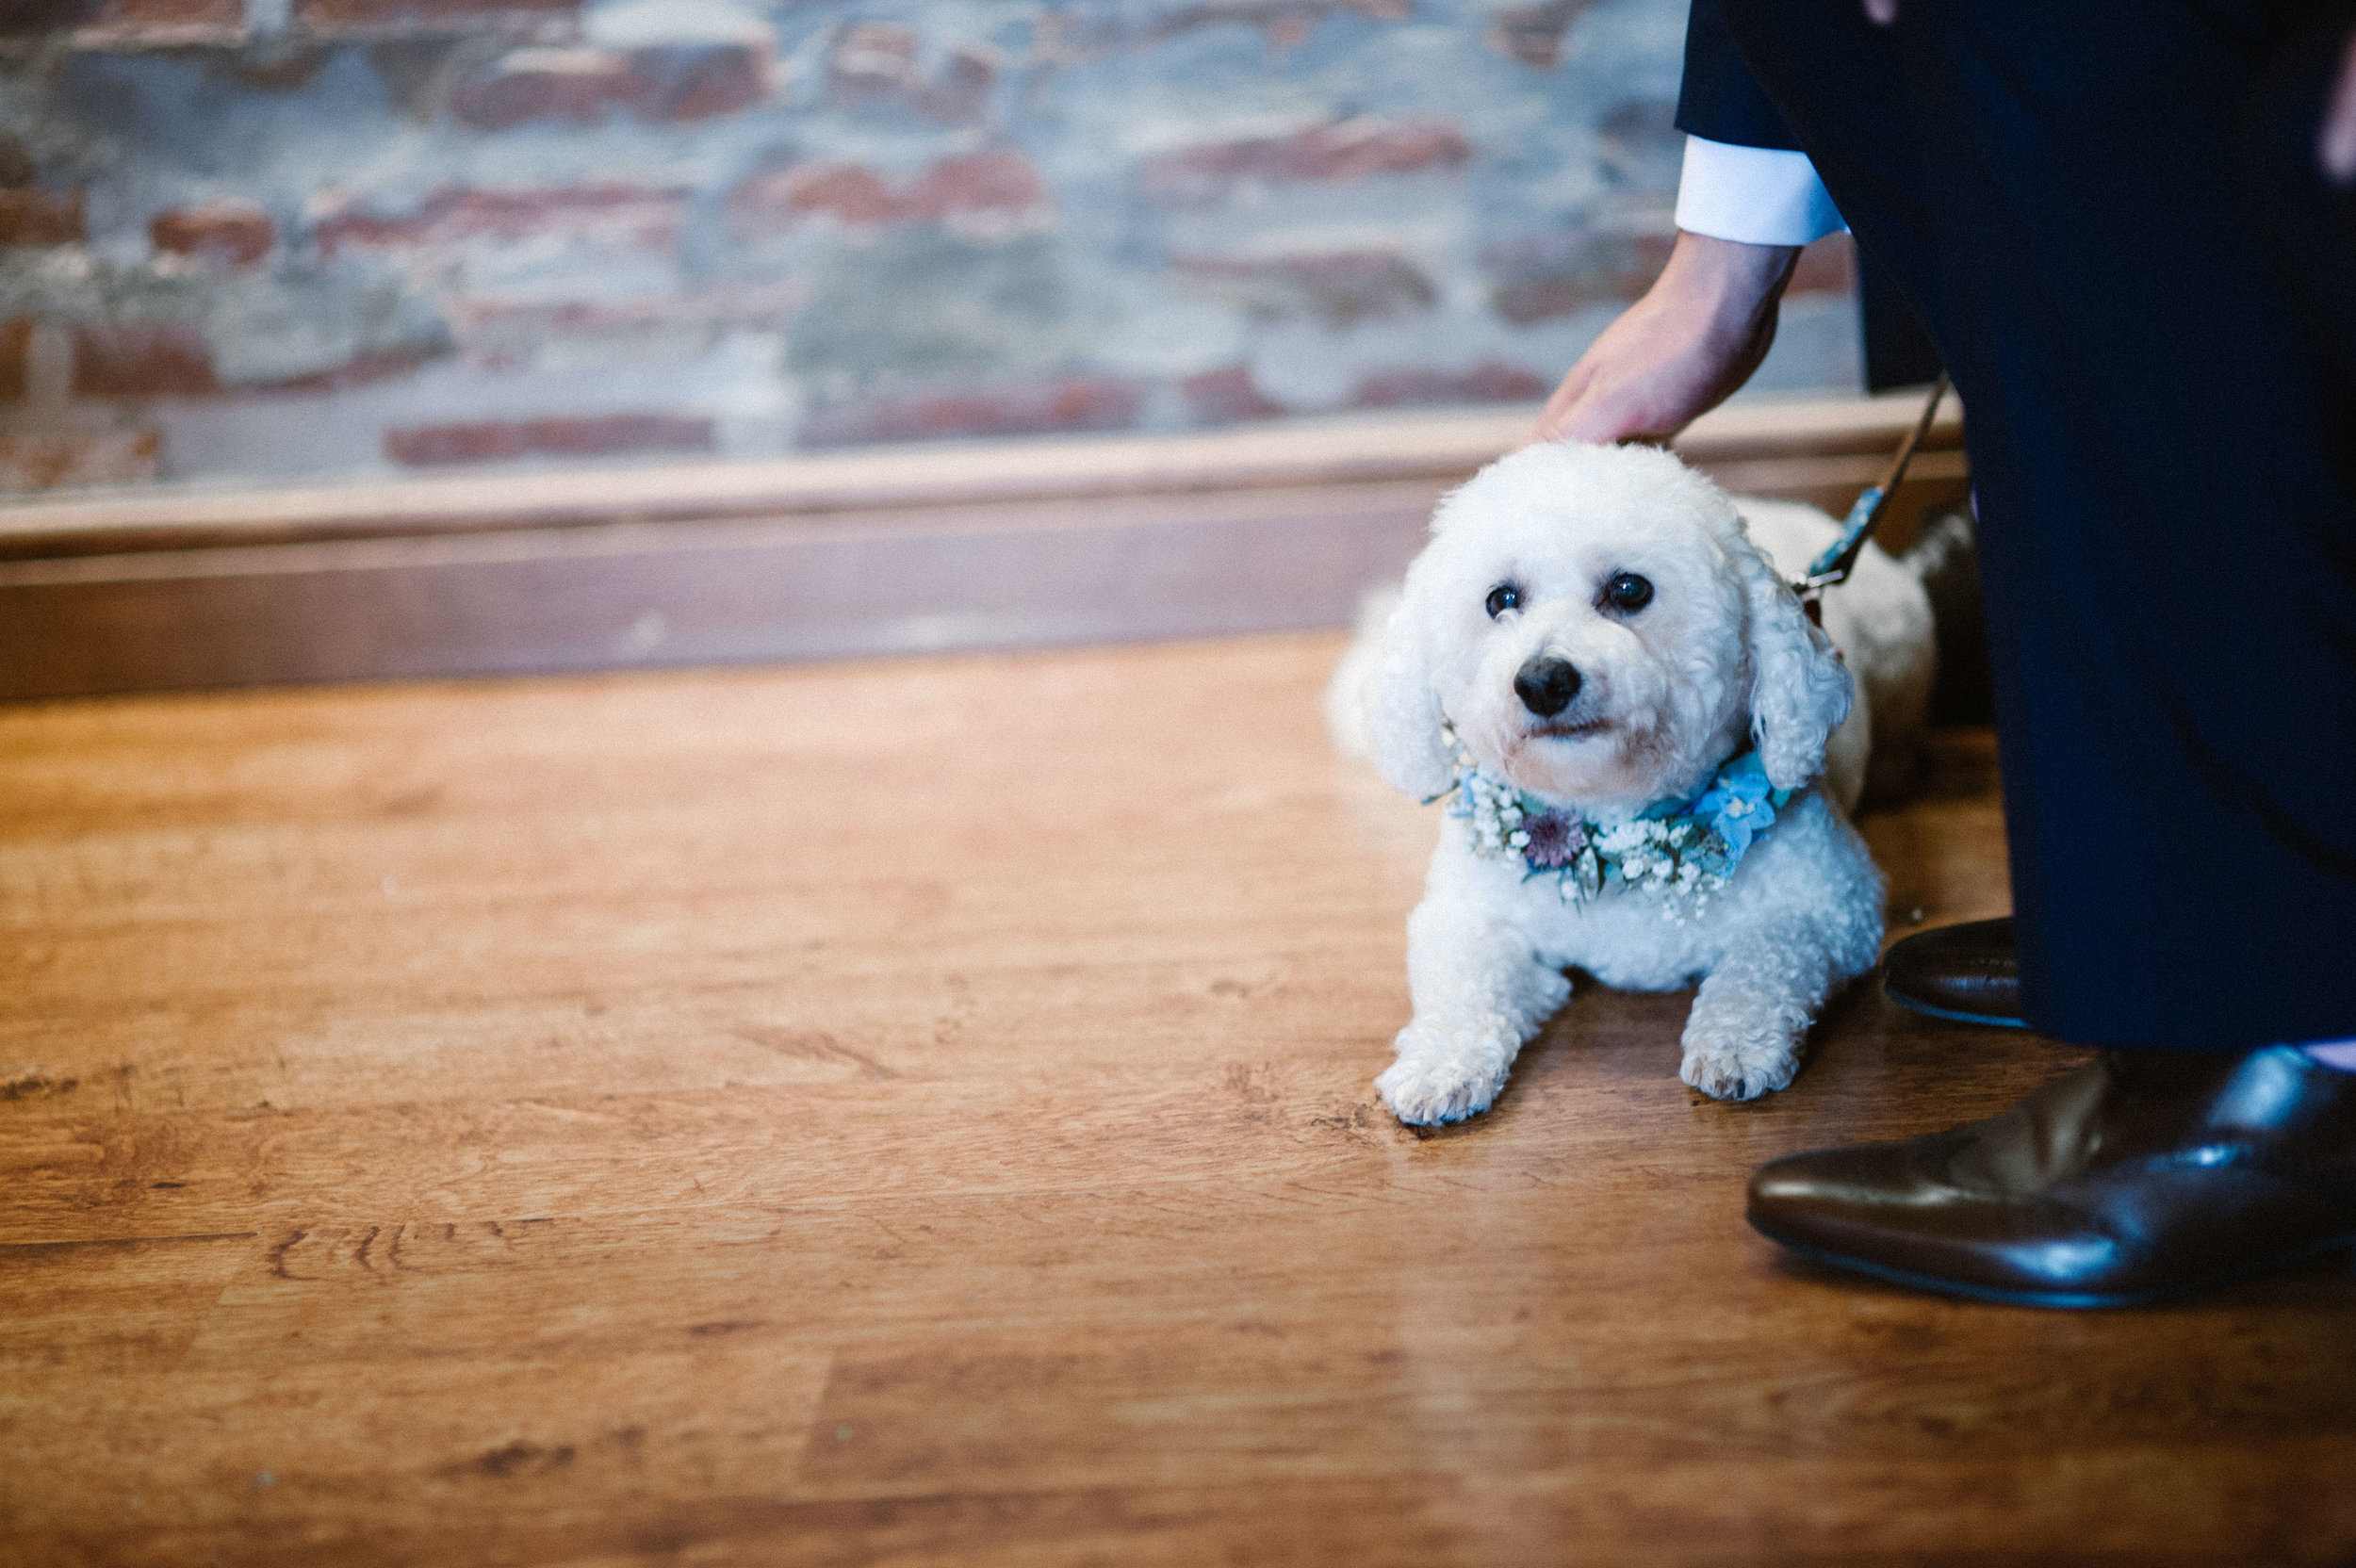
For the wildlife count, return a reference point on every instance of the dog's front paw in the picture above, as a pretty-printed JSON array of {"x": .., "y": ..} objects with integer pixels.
[
  {"x": 1439, "y": 1080},
  {"x": 1429, "y": 1094},
  {"x": 1739, "y": 1067}
]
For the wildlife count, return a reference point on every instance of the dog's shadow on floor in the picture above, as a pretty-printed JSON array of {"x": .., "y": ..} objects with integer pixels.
[
  {"x": 1622, "y": 1042},
  {"x": 1603, "y": 1042}
]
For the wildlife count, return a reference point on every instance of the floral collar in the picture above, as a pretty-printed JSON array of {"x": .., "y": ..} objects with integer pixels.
[{"x": 1681, "y": 852}]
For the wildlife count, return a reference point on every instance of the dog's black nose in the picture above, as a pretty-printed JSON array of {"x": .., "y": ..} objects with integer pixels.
[{"x": 1547, "y": 685}]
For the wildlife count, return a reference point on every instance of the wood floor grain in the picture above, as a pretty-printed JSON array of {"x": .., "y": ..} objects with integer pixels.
[{"x": 919, "y": 1113}]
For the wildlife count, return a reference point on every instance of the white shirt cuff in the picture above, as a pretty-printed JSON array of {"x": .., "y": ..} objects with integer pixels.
[{"x": 1759, "y": 195}]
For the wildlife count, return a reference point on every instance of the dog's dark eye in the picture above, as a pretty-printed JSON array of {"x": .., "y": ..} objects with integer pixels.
[
  {"x": 1504, "y": 597},
  {"x": 1627, "y": 591}
]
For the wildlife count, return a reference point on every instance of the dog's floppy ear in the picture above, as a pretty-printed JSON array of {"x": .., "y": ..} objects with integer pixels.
[
  {"x": 1403, "y": 713},
  {"x": 1800, "y": 690}
]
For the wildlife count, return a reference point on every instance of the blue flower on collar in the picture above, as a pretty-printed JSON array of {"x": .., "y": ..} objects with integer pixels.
[{"x": 1740, "y": 804}]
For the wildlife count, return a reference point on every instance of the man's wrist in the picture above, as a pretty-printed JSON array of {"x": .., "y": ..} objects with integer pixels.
[{"x": 1727, "y": 285}]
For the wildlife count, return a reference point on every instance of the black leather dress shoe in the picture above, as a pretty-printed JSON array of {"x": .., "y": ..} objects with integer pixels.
[
  {"x": 1960, "y": 972},
  {"x": 2140, "y": 1176}
]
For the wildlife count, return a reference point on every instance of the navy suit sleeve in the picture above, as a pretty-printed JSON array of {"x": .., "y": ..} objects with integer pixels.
[{"x": 1721, "y": 100}]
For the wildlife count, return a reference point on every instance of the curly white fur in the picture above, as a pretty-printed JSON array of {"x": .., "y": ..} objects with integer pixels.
[{"x": 1721, "y": 655}]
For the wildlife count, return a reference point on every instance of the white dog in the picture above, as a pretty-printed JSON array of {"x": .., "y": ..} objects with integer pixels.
[{"x": 1648, "y": 752}]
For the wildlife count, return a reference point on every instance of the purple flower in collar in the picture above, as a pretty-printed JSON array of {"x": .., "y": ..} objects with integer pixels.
[{"x": 1555, "y": 840}]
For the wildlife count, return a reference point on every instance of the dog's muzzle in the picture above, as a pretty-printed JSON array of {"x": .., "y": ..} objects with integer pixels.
[{"x": 1547, "y": 685}]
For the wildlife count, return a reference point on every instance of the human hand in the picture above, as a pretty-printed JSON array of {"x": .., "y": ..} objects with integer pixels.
[{"x": 1694, "y": 338}]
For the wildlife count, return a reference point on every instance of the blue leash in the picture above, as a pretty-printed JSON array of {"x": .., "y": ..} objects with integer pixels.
[{"x": 1833, "y": 567}]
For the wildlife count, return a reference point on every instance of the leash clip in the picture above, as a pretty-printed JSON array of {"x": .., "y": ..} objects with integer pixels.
[{"x": 1832, "y": 568}]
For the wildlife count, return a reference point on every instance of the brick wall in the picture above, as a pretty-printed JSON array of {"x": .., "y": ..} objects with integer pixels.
[{"x": 258, "y": 237}]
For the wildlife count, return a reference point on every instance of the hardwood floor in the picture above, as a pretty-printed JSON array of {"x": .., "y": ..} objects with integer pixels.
[{"x": 919, "y": 1111}]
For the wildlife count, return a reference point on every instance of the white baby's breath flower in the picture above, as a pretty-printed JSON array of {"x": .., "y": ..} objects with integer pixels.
[{"x": 1675, "y": 858}]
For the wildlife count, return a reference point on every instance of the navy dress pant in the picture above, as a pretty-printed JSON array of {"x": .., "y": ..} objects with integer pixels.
[{"x": 2108, "y": 215}]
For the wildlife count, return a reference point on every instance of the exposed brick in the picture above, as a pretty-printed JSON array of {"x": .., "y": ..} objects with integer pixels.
[
  {"x": 1074, "y": 404},
  {"x": 362, "y": 370},
  {"x": 1595, "y": 269},
  {"x": 1342, "y": 289},
  {"x": 47, "y": 461},
  {"x": 699, "y": 81},
  {"x": 1287, "y": 33},
  {"x": 547, "y": 84},
  {"x": 985, "y": 190},
  {"x": 986, "y": 184},
  {"x": 235, "y": 232},
  {"x": 141, "y": 359},
  {"x": 873, "y": 60},
  {"x": 876, "y": 63},
  {"x": 960, "y": 91},
  {"x": 531, "y": 17},
  {"x": 1410, "y": 387},
  {"x": 894, "y": 290},
  {"x": 151, "y": 359},
  {"x": 624, "y": 432},
  {"x": 688, "y": 82},
  {"x": 1533, "y": 34},
  {"x": 767, "y": 202},
  {"x": 1072, "y": 36},
  {"x": 1227, "y": 396},
  {"x": 31, "y": 216},
  {"x": 485, "y": 441},
  {"x": 1349, "y": 150},
  {"x": 644, "y": 215},
  {"x": 598, "y": 436},
  {"x": 16, "y": 348}
]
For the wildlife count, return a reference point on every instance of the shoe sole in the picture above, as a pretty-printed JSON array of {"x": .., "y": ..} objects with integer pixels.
[
  {"x": 1955, "y": 1015},
  {"x": 2065, "y": 1300}
]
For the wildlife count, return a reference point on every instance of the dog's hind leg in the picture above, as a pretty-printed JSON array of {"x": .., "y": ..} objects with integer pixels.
[
  {"x": 1743, "y": 1038},
  {"x": 1479, "y": 993}
]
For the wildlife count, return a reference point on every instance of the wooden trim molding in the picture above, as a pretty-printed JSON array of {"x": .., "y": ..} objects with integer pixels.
[{"x": 903, "y": 549}]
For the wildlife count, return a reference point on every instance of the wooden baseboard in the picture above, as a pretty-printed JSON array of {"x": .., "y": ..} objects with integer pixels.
[{"x": 905, "y": 549}]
